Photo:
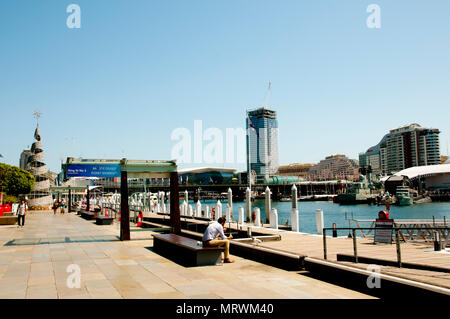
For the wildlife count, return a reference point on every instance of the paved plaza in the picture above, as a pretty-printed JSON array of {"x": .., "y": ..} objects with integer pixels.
[{"x": 34, "y": 262}]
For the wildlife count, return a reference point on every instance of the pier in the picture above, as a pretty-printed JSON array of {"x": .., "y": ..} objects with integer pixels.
[
  {"x": 421, "y": 264},
  {"x": 34, "y": 263}
]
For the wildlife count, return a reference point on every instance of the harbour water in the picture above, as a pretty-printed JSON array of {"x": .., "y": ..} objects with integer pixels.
[{"x": 335, "y": 213}]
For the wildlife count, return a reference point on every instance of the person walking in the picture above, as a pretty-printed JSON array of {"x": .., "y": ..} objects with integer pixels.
[
  {"x": 214, "y": 230},
  {"x": 21, "y": 212},
  {"x": 55, "y": 206},
  {"x": 63, "y": 206}
]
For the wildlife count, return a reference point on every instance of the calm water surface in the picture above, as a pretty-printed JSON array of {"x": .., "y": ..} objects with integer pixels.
[{"x": 335, "y": 213}]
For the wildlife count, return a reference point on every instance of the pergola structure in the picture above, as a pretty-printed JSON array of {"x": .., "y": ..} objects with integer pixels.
[
  {"x": 130, "y": 169},
  {"x": 67, "y": 190}
]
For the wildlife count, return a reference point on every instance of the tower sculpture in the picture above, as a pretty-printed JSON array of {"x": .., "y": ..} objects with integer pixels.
[{"x": 40, "y": 197}]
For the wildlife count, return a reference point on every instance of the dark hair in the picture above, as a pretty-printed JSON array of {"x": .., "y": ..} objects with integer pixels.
[{"x": 221, "y": 220}]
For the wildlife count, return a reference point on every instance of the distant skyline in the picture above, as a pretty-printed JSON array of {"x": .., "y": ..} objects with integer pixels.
[{"x": 135, "y": 71}]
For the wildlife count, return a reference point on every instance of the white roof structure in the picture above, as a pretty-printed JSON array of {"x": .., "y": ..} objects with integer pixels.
[
  {"x": 416, "y": 171},
  {"x": 207, "y": 169}
]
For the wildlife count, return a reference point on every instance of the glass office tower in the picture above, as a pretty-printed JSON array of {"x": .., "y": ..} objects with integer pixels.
[{"x": 262, "y": 143}]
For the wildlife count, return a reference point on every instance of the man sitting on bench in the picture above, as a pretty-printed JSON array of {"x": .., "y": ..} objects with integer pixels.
[{"x": 210, "y": 238}]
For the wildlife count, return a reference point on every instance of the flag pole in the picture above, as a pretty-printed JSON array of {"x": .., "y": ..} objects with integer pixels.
[{"x": 248, "y": 156}]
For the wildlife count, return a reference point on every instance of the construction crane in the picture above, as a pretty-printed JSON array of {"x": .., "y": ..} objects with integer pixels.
[{"x": 267, "y": 97}]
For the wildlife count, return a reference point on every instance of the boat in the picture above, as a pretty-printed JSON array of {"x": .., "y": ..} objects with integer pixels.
[
  {"x": 285, "y": 199},
  {"x": 403, "y": 196},
  {"x": 423, "y": 200},
  {"x": 357, "y": 193}
]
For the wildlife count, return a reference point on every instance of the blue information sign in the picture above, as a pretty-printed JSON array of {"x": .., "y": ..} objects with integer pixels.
[{"x": 93, "y": 170}]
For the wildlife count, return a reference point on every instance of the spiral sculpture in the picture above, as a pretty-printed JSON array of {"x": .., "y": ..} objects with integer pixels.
[{"x": 40, "y": 196}]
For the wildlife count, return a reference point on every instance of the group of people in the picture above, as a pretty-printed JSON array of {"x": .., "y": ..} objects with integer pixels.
[{"x": 59, "y": 204}]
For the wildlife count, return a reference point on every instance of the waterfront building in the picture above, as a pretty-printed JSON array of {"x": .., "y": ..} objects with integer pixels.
[
  {"x": 403, "y": 147},
  {"x": 207, "y": 176},
  {"x": 335, "y": 166},
  {"x": 24, "y": 156},
  {"x": 432, "y": 177},
  {"x": 295, "y": 169},
  {"x": 262, "y": 143}
]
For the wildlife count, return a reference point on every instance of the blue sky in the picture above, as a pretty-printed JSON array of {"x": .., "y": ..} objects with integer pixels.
[{"x": 136, "y": 70}]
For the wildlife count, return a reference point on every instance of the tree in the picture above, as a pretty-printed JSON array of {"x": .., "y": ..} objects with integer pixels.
[{"x": 15, "y": 181}]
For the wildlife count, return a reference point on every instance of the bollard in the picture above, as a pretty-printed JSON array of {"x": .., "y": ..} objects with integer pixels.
[
  {"x": 207, "y": 211},
  {"x": 294, "y": 220},
  {"x": 274, "y": 218},
  {"x": 319, "y": 221},
  {"x": 228, "y": 213},
  {"x": 399, "y": 253},
  {"x": 198, "y": 209},
  {"x": 257, "y": 212},
  {"x": 334, "y": 230},
  {"x": 241, "y": 216},
  {"x": 248, "y": 204},
  {"x": 324, "y": 244},
  {"x": 190, "y": 211},
  {"x": 355, "y": 249},
  {"x": 437, "y": 241},
  {"x": 268, "y": 204},
  {"x": 249, "y": 231},
  {"x": 218, "y": 210}
]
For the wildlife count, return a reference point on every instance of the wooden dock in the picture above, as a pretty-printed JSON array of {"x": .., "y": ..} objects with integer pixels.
[{"x": 421, "y": 254}]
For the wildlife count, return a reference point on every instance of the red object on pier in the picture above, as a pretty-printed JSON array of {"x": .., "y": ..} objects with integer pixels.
[
  {"x": 140, "y": 217},
  {"x": 119, "y": 215},
  {"x": 383, "y": 214}
]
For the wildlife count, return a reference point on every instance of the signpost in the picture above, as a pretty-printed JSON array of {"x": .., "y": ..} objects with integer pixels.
[
  {"x": 130, "y": 169},
  {"x": 93, "y": 170},
  {"x": 383, "y": 230}
]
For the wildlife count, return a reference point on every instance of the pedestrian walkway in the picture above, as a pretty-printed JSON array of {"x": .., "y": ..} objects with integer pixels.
[
  {"x": 34, "y": 262},
  {"x": 311, "y": 245}
]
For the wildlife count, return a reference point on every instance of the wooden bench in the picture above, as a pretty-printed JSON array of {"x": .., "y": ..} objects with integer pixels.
[
  {"x": 103, "y": 220},
  {"x": 8, "y": 220},
  {"x": 87, "y": 215},
  {"x": 186, "y": 251}
]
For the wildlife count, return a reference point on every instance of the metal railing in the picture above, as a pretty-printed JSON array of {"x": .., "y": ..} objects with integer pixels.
[
  {"x": 439, "y": 241},
  {"x": 415, "y": 229}
]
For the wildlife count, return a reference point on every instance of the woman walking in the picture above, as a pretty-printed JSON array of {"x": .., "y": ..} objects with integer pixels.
[
  {"x": 21, "y": 212},
  {"x": 55, "y": 207},
  {"x": 63, "y": 206}
]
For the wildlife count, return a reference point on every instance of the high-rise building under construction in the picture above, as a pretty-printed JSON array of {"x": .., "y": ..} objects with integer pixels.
[{"x": 262, "y": 143}]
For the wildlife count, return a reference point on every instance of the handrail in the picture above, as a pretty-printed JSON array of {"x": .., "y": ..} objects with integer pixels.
[{"x": 437, "y": 239}]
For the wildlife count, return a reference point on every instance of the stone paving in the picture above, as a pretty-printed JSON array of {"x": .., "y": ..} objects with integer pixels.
[
  {"x": 412, "y": 252},
  {"x": 34, "y": 262}
]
